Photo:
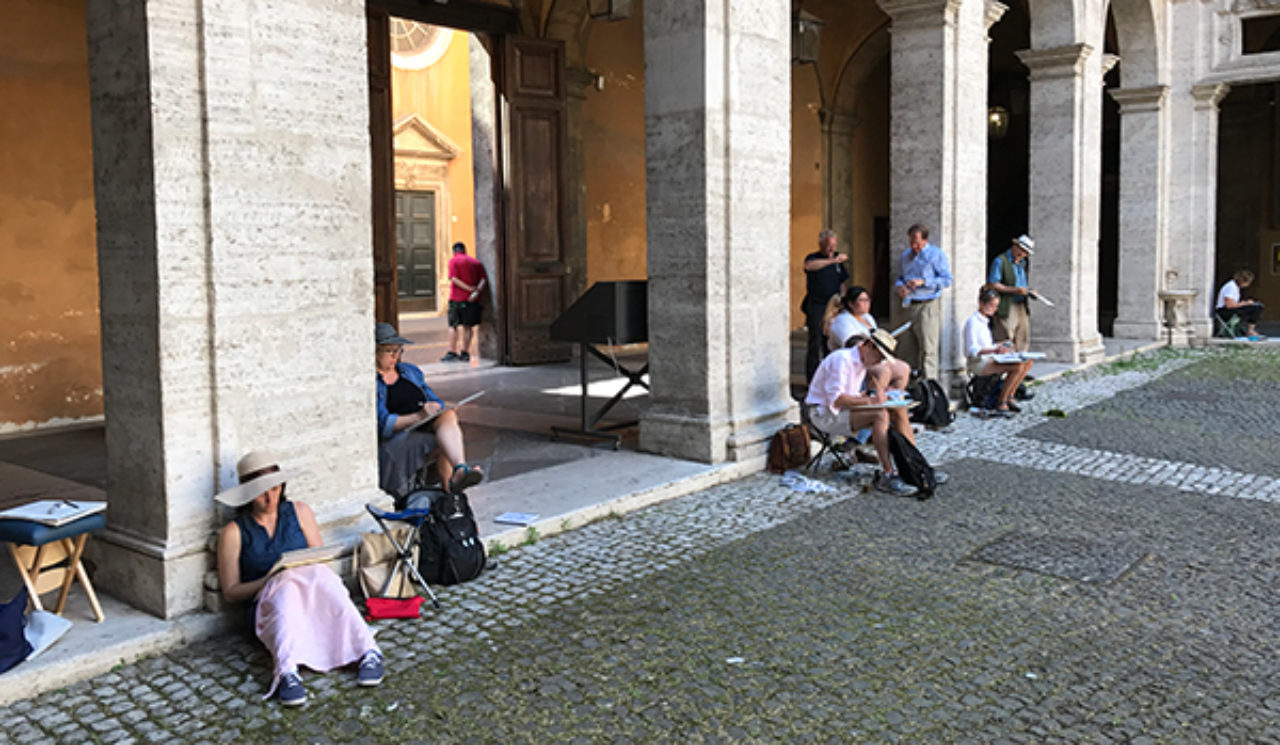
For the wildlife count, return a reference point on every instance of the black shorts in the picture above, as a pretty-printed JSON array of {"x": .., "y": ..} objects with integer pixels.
[{"x": 463, "y": 313}]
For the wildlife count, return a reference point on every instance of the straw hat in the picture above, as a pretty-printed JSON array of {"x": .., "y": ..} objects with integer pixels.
[
  {"x": 245, "y": 492},
  {"x": 1027, "y": 244},
  {"x": 884, "y": 341}
]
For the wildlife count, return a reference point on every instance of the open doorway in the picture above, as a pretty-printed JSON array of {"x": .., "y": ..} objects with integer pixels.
[{"x": 1248, "y": 200}]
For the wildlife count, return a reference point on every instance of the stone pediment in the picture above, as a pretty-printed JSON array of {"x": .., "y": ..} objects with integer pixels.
[{"x": 416, "y": 137}]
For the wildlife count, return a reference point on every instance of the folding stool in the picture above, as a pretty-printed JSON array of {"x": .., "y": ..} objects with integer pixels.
[
  {"x": 414, "y": 517},
  {"x": 824, "y": 439}
]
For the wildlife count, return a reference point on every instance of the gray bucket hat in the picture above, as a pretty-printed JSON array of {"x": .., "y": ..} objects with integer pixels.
[{"x": 385, "y": 333}]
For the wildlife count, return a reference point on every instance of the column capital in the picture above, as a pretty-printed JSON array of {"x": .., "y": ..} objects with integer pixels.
[
  {"x": 578, "y": 80},
  {"x": 1055, "y": 62},
  {"x": 1209, "y": 95},
  {"x": 921, "y": 12},
  {"x": 1109, "y": 61},
  {"x": 1138, "y": 100},
  {"x": 994, "y": 11},
  {"x": 840, "y": 122}
]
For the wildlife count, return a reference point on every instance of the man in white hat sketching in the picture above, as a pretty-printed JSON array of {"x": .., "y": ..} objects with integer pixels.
[{"x": 1008, "y": 276}]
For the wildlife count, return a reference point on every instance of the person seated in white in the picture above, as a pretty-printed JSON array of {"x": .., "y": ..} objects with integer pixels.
[
  {"x": 979, "y": 348},
  {"x": 851, "y": 377},
  {"x": 1230, "y": 304},
  {"x": 856, "y": 305}
]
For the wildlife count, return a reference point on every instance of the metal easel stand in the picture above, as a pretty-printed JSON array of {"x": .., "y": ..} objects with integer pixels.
[{"x": 590, "y": 428}]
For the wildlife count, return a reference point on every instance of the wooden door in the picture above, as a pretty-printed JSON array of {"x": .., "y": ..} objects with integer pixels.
[
  {"x": 416, "y": 249},
  {"x": 383, "y": 161},
  {"x": 534, "y": 149}
]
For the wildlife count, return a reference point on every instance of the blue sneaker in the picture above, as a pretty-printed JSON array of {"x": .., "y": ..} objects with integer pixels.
[
  {"x": 370, "y": 672},
  {"x": 291, "y": 691},
  {"x": 893, "y": 485}
]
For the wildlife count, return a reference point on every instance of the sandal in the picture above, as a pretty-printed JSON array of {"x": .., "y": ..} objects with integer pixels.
[{"x": 471, "y": 475}]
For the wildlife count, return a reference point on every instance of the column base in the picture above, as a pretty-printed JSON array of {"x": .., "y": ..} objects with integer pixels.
[
  {"x": 140, "y": 573},
  {"x": 703, "y": 439},
  {"x": 1145, "y": 330},
  {"x": 1071, "y": 351}
]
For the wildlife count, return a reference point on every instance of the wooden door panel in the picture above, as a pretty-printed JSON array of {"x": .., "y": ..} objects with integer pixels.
[
  {"x": 385, "y": 255},
  {"x": 536, "y": 212}
]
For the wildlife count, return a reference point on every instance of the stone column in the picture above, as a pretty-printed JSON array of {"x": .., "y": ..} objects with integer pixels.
[
  {"x": 837, "y": 192},
  {"x": 231, "y": 163},
  {"x": 484, "y": 166},
  {"x": 938, "y": 144},
  {"x": 1066, "y": 138},
  {"x": 1142, "y": 200},
  {"x": 717, "y": 148},
  {"x": 1199, "y": 252}
]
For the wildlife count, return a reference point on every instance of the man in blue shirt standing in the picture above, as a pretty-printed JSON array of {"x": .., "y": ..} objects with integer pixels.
[
  {"x": 824, "y": 276},
  {"x": 1008, "y": 276},
  {"x": 923, "y": 273}
]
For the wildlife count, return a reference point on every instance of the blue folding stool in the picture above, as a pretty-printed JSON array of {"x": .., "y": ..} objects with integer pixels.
[{"x": 414, "y": 517}]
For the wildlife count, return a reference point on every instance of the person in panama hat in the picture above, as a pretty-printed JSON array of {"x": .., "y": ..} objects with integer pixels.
[{"x": 304, "y": 615}]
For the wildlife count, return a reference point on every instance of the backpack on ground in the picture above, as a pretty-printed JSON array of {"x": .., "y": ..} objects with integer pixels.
[
  {"x": 911, "y": 464},
  {"x": 789, "y": 448},
  {"x": 934, "y": 409},
  {"x": 983, "y": 391},
  {"x": 449, "y": 549}
]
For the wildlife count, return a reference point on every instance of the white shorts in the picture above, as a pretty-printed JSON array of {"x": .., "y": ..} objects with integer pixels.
[{"x": 835, "y": 423}]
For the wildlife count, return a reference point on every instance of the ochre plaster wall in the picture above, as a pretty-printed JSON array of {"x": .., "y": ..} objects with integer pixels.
[
  {"x": 806, "y": 181},
  {"x": 613, "y": 151},
  {"x": 50, "y": 362},
  {"x": 441, "y": 94}
]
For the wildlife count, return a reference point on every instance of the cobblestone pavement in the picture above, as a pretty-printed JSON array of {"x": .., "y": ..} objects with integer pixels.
[{"x": 750, "y": 613}]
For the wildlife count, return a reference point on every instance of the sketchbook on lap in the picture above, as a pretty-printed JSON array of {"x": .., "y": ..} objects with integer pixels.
[
  {"x": 304, "y": 556},
  {"x": 901, "y": 403},
  {"x": 450, "y": 407},
  {"x": 53, "y": 512},
  {"x": 1016, "y": 357}
]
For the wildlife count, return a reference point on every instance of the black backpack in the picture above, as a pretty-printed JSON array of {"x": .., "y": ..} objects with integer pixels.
[
  {"x": 911, "y": 465},
  {"x": 934, "y": 409},
  {"x": 983, "y": 391},
  {"x": 449, "y": 548}
]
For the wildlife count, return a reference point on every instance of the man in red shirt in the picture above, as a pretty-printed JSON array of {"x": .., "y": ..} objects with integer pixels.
[{"x": 466, "y": 283}]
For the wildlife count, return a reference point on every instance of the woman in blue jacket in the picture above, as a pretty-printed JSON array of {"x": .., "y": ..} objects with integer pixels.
[{"x": 405, "y": 400}]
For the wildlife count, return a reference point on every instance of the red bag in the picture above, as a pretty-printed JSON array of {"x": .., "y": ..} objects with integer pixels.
[{"x": 392, "y": 607}]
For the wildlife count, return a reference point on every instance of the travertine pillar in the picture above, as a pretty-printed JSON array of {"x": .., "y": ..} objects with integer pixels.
[
  {"x": 1066, "y": 163},
  {"x": 717, "y": 148},
  {"x": 1199, "y": 249},
  {"x": 232, "y": 168},
  {"x": 1142, "y": 198},
  {"x": 938, "y": 145},
  {"x": 837, "y": 192}
]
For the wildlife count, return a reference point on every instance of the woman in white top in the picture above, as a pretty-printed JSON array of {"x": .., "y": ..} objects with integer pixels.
[
  {"x": 979, "y": 348},
  {"x": 856, "y": 304},
  {"x": 1230, "y": 305}
]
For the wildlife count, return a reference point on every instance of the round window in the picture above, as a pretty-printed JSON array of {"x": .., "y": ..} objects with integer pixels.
[{"x": 417, "y": 46}]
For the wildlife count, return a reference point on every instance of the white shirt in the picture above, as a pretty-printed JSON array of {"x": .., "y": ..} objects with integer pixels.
[
  {"x": 1229, "y": 290},
  {"x": 841, "y": 372},
  {"x": 867, "y": 321},
  {"x": 977, "y": 335}
]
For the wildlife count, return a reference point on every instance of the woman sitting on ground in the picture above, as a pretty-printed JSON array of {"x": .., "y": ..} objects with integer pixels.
[
  {"x": 404, "y": 400},
  {"x": 304, "y": 615},
  {"x": 1230, "y": 305},
  {"x": 980, "y": 347}
]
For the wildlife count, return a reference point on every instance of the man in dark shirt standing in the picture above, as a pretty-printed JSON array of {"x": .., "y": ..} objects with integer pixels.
[{"x": 824, "y": 276}]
